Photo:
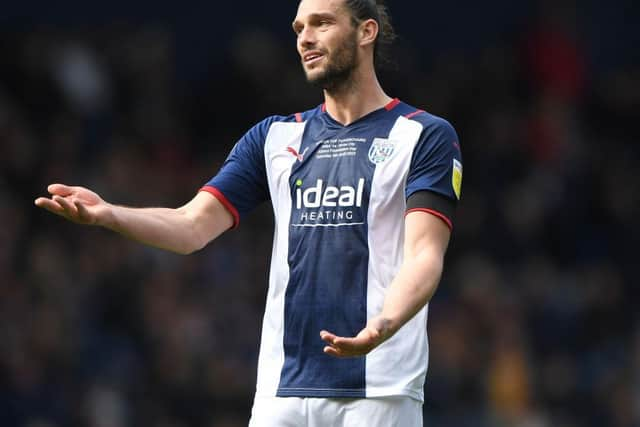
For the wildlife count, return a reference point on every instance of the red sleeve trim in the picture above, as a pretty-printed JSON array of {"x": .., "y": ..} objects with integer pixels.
[
  {"x": 432, "y": 212},
  {"x": 393, "y": 104},
  {"x": 415, "y": 113},
  {"x": 225, "y": 202},
  {"x": 299, "y": 117}
]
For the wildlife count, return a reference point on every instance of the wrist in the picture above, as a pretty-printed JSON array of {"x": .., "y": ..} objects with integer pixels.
[
  {"x": 107, "y": 218},
  {"x": 385, "y": 326}
]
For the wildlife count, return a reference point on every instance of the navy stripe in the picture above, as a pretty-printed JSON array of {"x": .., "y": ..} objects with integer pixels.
[{"x": 328, "y": 255}]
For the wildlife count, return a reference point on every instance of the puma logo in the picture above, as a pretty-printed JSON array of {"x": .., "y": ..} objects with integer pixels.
[{"x": 299, "y": 156}]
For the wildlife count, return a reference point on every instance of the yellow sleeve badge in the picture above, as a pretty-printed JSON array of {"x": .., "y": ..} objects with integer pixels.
[{"x": 456, "y": 178}]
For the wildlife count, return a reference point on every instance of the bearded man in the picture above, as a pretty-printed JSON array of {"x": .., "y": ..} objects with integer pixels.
[{"x": 364, "y": 189}]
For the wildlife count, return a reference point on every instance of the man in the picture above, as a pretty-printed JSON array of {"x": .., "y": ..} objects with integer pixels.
[{"x": 363, "y": 189}]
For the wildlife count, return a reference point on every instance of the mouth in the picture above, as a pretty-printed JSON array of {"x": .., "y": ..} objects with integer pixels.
[{"x": 312, "y": 57}]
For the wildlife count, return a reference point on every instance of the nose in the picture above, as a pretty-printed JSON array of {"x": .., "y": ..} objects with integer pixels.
[{"x": 306, "y": 37}]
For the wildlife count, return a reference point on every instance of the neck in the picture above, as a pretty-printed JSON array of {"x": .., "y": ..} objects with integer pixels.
[{"x": 357, "y": 97}]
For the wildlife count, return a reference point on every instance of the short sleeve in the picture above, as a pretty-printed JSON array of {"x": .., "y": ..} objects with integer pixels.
[
  {"x": 436, "y": 164},
  {"x": 241, "y": 183}
]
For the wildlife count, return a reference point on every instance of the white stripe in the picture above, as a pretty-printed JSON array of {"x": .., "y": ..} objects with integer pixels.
[
  {"x": 385, "y": 217},
  {"x": 279, "y": 162},
  {"x": 346, "y": 224}
]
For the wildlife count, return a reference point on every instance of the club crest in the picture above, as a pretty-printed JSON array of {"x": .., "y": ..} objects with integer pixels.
[{"x": 381, "y": 149}]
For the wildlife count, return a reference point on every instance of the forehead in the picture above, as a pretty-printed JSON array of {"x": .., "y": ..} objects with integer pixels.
[{"x": 314, "y": 7}]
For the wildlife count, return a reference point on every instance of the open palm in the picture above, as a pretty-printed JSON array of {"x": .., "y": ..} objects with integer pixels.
[
  {"x": 374, "y": 333},
  {"x": 76, "y": 204}
]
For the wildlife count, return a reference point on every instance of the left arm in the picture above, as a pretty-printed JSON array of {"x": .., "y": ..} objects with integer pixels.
[{"x": 426, "y": 240}]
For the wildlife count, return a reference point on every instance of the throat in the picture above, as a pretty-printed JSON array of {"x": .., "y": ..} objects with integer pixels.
[
  {"x": 350, "y": 109},
  {"x": 355, "y": 98}
]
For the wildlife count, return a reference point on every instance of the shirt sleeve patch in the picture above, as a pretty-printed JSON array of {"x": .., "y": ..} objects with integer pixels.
[{"x": 456, "y": 178}]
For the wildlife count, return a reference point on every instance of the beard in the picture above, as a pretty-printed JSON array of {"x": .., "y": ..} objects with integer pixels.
[{"x": 340, "y": 66}]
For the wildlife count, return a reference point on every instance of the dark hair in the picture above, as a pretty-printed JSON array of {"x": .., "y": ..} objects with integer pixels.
[{"x": 362, "y": 10}]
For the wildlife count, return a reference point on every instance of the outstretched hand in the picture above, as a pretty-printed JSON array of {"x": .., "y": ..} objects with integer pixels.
[
  {"x": 374, "y": 333},
  {"x": 76, "y": 204}
]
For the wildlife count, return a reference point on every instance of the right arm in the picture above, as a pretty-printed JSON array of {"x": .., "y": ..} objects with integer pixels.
[
  {"x": 183, "y": 230},
  {"x": 242, "y": 179}
]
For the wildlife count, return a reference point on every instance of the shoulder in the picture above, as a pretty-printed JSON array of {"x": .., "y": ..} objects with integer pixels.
[
  {"x": 438, "y": 138},
  {"x": 429, "y": 121}
]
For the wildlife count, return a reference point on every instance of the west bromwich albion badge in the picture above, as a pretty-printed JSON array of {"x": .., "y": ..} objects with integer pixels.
[{"x": 381, "y": 149}]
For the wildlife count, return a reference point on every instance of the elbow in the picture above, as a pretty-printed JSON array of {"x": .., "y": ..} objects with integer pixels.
[
  {"x": 193, "y": 238},
  {"x": 186, "y": 251},
  {"x": 180, "y": 250},
  {"x": 191, "y": 246}
]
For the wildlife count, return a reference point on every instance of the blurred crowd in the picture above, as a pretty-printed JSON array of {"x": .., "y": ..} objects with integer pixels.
[{"x": 534, "y": 323}]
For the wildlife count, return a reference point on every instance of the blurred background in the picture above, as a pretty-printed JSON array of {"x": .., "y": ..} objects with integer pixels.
[{"x": 535, "y": 322}]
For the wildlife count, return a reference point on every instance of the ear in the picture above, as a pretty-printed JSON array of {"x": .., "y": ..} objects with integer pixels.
[{"x": 368, "y": 32}]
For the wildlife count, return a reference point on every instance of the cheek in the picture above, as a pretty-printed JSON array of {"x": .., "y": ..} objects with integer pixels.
[
  {"x": 334, "y": 41},
  {"x": 340, "y": 42}
]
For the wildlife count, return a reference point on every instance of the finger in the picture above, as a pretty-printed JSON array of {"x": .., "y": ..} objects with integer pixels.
[
  {"x": 60, "y": 189},
  {"x": 48, "y": 204},
  {"x": 333, "y": 352},
  {"x": 345, "y": 343},
  {"x": 83, "y": 213},
  {"x": 354, "y": 346},
  {"x": 327, "y": 336},
  {"x": 68, "y": 207},
  {"x": 349, "y": 343},
  {"x": 342, "y": 353}
]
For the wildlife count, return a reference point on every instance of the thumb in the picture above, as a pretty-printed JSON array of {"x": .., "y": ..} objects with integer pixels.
[{"x": 59, "y": 189}]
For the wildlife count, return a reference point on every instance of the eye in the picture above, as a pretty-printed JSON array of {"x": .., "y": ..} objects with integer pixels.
[{"x": 323, "y": 24}]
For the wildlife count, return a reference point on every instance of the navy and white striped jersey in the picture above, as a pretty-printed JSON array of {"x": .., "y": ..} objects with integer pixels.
[{"x": 339, "y": 195}]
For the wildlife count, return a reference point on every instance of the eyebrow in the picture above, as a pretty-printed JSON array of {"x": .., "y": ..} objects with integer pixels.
[{"x": 316, "y": 16}]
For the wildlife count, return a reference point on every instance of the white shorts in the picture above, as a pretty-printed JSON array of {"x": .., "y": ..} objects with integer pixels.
[{"x": 392, "y": 411}]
